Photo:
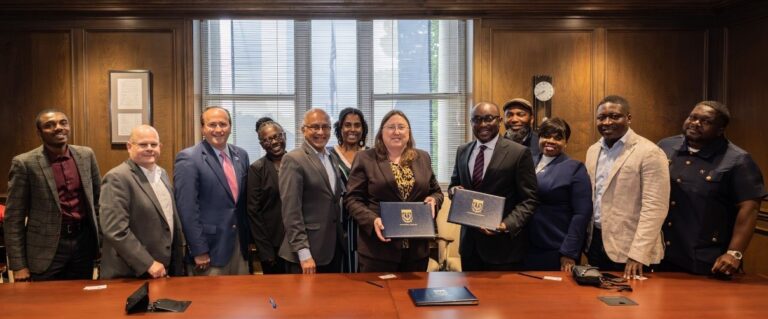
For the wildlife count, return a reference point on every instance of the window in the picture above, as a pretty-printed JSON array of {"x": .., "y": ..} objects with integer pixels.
[{"x": 281, "y": 68}]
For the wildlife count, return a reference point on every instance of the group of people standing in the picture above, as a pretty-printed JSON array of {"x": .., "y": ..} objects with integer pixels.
[{"x": 687, "y": 204}]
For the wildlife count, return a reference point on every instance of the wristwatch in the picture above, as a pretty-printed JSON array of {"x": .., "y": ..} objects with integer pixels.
[{"x": 735, "y": 253}]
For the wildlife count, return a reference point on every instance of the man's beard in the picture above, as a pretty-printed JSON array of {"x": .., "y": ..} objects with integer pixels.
[{"x": 519, "y": 135}]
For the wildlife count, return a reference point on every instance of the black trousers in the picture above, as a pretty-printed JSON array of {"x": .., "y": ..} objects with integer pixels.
[
  {"x": 473, "y": 262},
  {"x": 597, "y": 257},
  {"x": 332, "y": 267},
  {"x": 406, "y": 263},
  {"x": 275, "y": 268},
  {"x": 74, "y": 256}
]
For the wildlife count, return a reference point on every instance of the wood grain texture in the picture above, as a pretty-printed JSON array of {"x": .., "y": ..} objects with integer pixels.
[
  {"x": 662, "y": 73},
  {"x": 501, "y": 295},
  {"x": 66, "y": 63},
  {"x": 129, "y": 50},
  {"x": 747, "y": 97},
  {"x": 516, "y": 56},
  {"x": 361, "y": 8},
  {"x": 33, "y": 62}
]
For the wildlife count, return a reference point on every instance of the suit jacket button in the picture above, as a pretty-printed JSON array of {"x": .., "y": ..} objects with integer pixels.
[
  {"x": 167, "y": 247},
  {"x": 234, "y": 226}
]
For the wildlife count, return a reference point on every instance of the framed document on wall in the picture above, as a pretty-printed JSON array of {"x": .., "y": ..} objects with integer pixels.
[{"x": 130, "y": 102}]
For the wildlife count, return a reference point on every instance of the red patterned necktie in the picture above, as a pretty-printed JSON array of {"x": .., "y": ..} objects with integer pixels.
[{"x": 229, "y": 172}]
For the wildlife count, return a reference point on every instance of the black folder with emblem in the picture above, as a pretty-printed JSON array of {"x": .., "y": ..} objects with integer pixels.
[
  {"x": 407, "y": 220},
  {"x": 443, "y": 296},
  {"x": 476, "y": 209}
]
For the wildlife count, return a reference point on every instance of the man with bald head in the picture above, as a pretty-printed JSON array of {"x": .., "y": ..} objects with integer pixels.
[
  {"x": 310, "y": 191},
  {"x": 210, "y": 181},
  {"x": 138, "y": 217},
  {"x": 501, "y": 167}
]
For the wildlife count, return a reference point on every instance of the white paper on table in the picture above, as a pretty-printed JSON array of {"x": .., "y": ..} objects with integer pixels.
[
  {"x": 126, "y": 122},
  {"x": 95, "y": 287},
  {"x": 129, "y": 94}
]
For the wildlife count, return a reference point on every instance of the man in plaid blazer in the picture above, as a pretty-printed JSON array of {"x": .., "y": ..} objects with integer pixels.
[{"x": 51, "y": 228}]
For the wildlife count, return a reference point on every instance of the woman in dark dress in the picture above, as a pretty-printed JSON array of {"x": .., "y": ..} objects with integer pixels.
[
  {"x": 557, "y": 229},
  {"x": 394, "y": 171},
  {"x": 264, "y": 204},
  {"x": 351, "y": 131}
]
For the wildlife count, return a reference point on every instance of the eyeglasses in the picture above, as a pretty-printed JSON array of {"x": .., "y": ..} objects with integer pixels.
[
  {"x": 394, "y": 127},
  {"x": 317, "y": 128},
  {"x": 274, "y": 138},
  {"x": 484, "y": 119}
]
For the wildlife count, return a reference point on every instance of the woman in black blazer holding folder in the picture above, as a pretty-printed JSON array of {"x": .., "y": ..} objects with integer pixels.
[{"x": 393, "y": 171}]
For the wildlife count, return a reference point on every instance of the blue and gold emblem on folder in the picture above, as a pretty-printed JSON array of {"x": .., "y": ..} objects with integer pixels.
[
  {"x": 407, "y": 220},
  {"x": 406, "y": 215},
  {"x": 476, "y": 209}
]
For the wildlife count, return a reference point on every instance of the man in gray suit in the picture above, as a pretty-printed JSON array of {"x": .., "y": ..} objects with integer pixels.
[
  {"x": 138, "y": 218},
  {"x": 310, "y": 190},
  {"x": 53, "y": 188}
]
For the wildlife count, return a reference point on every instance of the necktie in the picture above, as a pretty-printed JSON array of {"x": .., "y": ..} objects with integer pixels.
[
  {"x": 477, "y": 173},
  {"x": 328, "y": 170},
  {"x": 229, "y": 172}
]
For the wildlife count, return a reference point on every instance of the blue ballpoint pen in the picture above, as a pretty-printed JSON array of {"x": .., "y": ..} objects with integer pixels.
[{"x": 272, "y": 302}]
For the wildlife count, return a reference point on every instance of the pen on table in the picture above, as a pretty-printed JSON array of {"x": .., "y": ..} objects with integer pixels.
[
  {"x": 529, "y": 275},
  {"x": 542, "y": 278},
  {"x": 273, "y": 303},
  {"x": 375, "y": 284}
]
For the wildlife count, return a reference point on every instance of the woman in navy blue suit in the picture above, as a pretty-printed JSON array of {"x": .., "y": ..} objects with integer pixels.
[{"x": 557, "y": 230}]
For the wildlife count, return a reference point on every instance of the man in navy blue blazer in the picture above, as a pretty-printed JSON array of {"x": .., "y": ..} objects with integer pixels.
[
  {"x": 501, "y": 167},
  {"x": 210, "y": 179}
]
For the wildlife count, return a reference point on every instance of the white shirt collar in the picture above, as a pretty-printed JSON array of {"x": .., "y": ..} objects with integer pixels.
[{"x": 490, "y": 144}]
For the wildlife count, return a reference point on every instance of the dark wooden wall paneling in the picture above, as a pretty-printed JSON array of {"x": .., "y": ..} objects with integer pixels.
[
  {"x": 66, "y": 64},
  {"x": 359, "y": 8},
  {"x": 662, "y": 73},
  {"x": 32, "y": 62},
  {"x": 745, "y": 83},
  {"x": 660, "y": 69}
]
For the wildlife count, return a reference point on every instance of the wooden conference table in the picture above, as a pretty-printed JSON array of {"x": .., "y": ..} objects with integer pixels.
[{"x": 501, "y": 295}]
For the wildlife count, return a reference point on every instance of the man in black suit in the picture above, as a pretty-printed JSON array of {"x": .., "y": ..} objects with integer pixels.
[
  {"x": 518, "y": 120},
  {"x": 499, "y": 167}
]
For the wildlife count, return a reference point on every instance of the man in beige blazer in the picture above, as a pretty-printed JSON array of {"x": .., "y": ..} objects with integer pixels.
[{"x": 630, "y": 181}]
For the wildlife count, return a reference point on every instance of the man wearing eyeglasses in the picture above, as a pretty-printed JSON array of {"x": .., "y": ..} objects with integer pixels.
[
  {"x": 138, "y": 219},
  {"x": 210, "y": 181},
  {"x": 630, "y": 179},
  {"x": 500, "y": 167},
  {"x": 310, "y": 191}
]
